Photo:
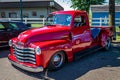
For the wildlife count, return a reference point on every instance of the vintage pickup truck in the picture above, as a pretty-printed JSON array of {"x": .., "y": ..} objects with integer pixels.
[{"x": 65, "y": 36}]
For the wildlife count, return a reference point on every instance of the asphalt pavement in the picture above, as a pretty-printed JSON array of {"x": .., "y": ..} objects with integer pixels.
[{"x": 100, "y": 65}]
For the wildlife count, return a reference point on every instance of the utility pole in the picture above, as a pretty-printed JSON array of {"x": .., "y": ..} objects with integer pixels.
[
  {"x": 21, "y": 11},
  {"x": 112, "y": 16}
]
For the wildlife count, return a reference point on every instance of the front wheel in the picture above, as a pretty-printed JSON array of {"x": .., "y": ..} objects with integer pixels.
[
  {"x": 107, "y": 44},
  {"x": 56, "y": 61}
]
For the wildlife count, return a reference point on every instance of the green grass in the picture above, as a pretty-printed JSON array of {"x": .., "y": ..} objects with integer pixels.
[
  {"x": 117, "y": 33},
  {"x": 36, "y": 25},
  {"x": 117, "y": 29},
  {"x": 118, "y": 36},
  {"x": 1, "y": 26}
]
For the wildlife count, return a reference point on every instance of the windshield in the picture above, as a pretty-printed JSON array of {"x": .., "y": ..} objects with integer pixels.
[{"x": 59, "y": 19}]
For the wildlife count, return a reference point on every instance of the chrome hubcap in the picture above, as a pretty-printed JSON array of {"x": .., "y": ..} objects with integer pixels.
[
  {"x": 58, "y": 60},
  {"x": 107, "y": 43}
]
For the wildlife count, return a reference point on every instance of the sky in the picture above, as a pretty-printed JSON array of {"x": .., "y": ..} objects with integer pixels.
[{"x": 66, "y": 4}]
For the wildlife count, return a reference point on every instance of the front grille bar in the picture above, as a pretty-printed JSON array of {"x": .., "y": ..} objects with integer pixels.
[
  {"x": 24, "y": 58},
  {"x": 27, "y": 61},
  {"x": 25, "y": 54}
]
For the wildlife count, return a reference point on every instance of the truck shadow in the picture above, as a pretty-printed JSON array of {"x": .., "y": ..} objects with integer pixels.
[{"x": 76, "y": 69}]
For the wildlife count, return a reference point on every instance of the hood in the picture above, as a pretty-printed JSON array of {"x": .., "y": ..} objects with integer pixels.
[{"x": 44, "y": 34}]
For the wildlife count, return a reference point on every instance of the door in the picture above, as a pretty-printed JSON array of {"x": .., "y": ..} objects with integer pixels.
[
  {"x": 11, "y": 29},
  {"x": 14, "y": 29},
  {"x": 3, "y": 35},
  {"x": 81, "y": 35}
]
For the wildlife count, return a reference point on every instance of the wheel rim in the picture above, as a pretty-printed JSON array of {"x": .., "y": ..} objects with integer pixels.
[{"x": 57, "y": 60}]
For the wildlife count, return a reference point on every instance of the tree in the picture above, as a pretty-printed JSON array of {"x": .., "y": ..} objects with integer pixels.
[
  {"x": 117, "y": 1},
  {"x": 112, "y": 16},
  {"x": 85, "y": 4}
]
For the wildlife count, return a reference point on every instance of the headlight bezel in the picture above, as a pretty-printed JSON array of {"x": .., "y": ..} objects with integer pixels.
[
  {"x": 38, "y": 50},
  {"x": 10, "y": 43}
]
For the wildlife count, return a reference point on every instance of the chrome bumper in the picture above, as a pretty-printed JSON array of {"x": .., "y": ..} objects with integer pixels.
[{"x": 30, "y": 69}]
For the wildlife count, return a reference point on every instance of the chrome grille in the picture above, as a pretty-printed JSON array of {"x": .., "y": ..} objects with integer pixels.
[{"x": 25, "y": 54}]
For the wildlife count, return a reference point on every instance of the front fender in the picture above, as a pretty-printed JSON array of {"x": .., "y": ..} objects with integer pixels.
[{"x": 49, "y": 48}]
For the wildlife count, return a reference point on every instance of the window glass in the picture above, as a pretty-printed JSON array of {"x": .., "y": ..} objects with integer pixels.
[
  {"x": 13, "y": 15},
  {"x": 79, "y": 21},
  {"x": 21, "y": 25},
  {"x": 50, "y": 20},
  {"x": 1, "y": 26},
  {"x": 34, "y": 13},
  {"x": 3, "y": 14},
  {"x": 59, "y": 19},
  {"x": 13, "y": 26}
]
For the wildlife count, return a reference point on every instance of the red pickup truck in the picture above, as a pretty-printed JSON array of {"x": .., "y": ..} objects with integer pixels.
[{"x": 65, "y": 36}]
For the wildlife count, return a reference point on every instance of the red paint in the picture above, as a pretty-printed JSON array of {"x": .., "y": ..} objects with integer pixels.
[{"x": 60, "y": 38}]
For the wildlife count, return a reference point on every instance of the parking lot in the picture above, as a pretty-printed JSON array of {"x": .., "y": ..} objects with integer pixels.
[{"x": 101, "y": 65}]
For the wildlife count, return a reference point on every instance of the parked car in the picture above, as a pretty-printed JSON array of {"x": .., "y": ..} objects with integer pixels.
[{"x": 9, "y": 29}]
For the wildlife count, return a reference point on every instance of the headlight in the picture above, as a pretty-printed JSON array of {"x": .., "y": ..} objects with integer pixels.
[
  {"x": 10, "y": 42},
  {"x": 38, "y": 50}
]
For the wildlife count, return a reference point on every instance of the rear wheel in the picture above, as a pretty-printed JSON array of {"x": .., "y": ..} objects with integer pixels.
[
  {"x": 107, "y": 44},
  {"x": 56, "y": 61}
]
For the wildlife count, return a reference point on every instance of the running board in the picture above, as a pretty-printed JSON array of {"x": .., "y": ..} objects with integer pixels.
[{"x": 80, "y": 54}]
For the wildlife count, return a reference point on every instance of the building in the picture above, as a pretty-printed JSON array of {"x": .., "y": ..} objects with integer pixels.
[
  {"x": 31, "y": 8},
  {"x": 102, "y": 11}
]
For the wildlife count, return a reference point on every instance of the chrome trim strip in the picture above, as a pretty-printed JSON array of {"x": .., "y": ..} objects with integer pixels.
[
  {"x": 26, "y": 61},
  {"x": 25, "y": 48},
  {"x": 22, "y": 50},
  {"x": 25, "y": 58},
  {"x": 27, "y": 68},
  {"x": 31, "y": 55}
]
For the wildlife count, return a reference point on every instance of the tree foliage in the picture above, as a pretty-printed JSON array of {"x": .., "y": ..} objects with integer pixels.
[
  {"x": 117, "y": 1},
  {"x": 85, "y": 4}
]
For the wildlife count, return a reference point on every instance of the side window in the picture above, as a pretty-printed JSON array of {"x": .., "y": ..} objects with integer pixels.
[
  {"x": 79, "y": 20},
  {"x": 21, "y": 25},
  {"x": 13, "y": 26},
  {"x": 49, "y": 20},
  {"x": 1, "y": 27}
]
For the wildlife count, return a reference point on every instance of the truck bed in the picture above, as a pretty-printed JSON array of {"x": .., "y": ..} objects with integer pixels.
[{"x": 96, "y": 30}]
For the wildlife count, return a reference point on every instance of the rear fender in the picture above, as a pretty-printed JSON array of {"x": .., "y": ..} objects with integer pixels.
[
  {"x": 103, "y": 39},
  {"x": 105, "y": 33}
]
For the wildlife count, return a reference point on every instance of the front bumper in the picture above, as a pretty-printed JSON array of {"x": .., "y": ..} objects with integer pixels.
[{"x": 27, "y": 68}]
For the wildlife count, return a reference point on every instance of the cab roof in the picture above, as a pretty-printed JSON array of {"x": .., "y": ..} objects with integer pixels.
[{"x": 71, "y": 12}]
